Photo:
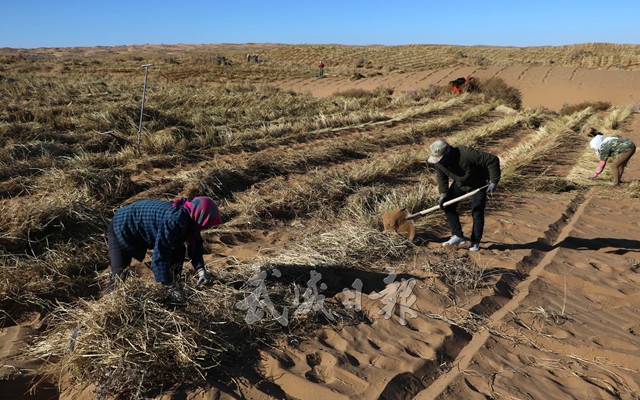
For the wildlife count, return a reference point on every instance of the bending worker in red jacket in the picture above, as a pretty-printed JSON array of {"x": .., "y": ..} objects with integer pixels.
[{"x": 469, "y": 169}]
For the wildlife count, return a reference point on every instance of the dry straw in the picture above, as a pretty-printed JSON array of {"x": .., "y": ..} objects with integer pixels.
[
  {"x": 67, "y": 180},
  {"x": 132, "y": 344}
]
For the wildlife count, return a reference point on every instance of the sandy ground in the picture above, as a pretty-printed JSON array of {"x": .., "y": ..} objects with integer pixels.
[
  {"x": 565, "y": 324},
  {"x": 551, "y": 87},
  {"x": 570, "y": 330}
]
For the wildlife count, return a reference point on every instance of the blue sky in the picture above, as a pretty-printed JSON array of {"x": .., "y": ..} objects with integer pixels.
[{"x": 65, "y": 23}]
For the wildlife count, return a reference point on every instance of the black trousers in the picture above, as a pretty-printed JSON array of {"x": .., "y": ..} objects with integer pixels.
[
  {"x": 478, "y": 204},
  {"x": 121, "y": 259}
]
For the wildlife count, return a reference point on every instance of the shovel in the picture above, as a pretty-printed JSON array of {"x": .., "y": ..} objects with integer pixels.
[{"x": 402, "y": 222}]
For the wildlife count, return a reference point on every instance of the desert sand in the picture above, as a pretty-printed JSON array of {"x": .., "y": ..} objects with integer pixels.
[
  {"x": 572, "y": 327},
  {"x": 565, "y": 324},
  {"x": 550, "y": 87}
]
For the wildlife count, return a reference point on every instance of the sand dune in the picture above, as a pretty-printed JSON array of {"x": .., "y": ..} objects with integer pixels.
[
  {"x": 549, "y": 87},
  {"x": 564, "y": 323}
]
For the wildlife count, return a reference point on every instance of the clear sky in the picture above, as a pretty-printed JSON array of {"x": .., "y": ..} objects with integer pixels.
[{"x": 66, "y": 23}]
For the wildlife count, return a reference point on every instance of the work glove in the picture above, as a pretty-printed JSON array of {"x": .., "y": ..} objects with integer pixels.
[
  {"x": 176, "y": 294},
  {"x": 441, "y": 200},
  {"x": 202, "y": 276},
  {"x": 599, "y": 170},
  {"x": 492, "y": 187}
]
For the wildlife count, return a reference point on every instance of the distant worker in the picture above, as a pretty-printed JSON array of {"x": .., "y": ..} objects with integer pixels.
[
  {"x": 255, "y": 57},
  {"x": 469, "y": 169},
  {"x": 607, "y": 147},
  {"x": 163, "y": 226},
  {"x": 321, "y": 67},
  {"x": 248, "y": 57},
  {"x": 456, "y": 84},
  {"x": 471, "y": 83}
]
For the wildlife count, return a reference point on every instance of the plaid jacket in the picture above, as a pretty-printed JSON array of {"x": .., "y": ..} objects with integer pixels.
[{"x": 157, "y": 225}]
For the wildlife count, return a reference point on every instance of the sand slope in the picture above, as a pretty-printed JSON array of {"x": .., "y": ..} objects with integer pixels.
[{"x": 550, "y": 87}]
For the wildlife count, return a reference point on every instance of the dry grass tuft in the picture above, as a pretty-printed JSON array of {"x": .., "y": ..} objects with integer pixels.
[
  {"x": 574, "y": 108},
  {"x": 497, "y": 89},
  {"x": 352, "y": 244},
  {"x": 632, "y": 190},
  {"x": 458, "y": 270}
]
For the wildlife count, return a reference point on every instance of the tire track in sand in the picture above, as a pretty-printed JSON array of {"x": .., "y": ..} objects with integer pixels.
[{"x": 464, "y": 358}]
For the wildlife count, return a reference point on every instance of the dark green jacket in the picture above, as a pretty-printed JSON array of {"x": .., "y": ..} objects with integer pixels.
[{"x": 469, "y": 167}]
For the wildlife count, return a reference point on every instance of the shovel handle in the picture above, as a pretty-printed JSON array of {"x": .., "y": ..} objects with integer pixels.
[{"x": 434, "y": 208}]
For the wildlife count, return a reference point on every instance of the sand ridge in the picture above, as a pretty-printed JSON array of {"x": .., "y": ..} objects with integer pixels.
[{"x": 549, "y": 87}]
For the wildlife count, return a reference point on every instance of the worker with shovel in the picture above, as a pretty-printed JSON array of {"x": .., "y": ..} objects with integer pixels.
[{"x": 470, "y": 169}]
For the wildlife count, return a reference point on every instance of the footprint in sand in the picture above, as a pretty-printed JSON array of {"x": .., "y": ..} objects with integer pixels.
[
  {"x": 285, "y": 361},
  {"x": 322, "y": 367},
  {"x": 591, "y": 265},
  {"x": 373, "y": 343},
  {"x": 352, "y": 360},
  {"x": 333, "y": 340},
  {"x": 613, "y": 343},
  {"x": 557, "y": 333},
  {"x": 325, "y": 369},
  {"x": 390, "y": 363},
  {"x": 418, "y": 349},
  {"x": 419, "y": 325}
]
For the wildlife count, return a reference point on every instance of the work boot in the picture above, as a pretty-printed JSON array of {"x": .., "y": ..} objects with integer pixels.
[
  {"x": 176, "y": 295},
  {"x": 474, "y": 247},
  {"x": 111, "y": 285},
  {"x": 454, "y": 241}
]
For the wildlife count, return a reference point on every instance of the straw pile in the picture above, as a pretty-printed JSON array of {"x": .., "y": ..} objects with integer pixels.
[{"x": 131, "y": 343}]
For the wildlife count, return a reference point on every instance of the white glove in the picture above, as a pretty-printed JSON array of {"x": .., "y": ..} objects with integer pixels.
[{"x": 202, "y": 276}]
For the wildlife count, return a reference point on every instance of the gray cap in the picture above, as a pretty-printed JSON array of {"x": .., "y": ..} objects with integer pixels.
[{"x": 438, "y": 149}]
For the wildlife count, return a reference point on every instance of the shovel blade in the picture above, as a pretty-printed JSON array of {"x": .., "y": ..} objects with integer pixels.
[{"x": 396, "y": 220}]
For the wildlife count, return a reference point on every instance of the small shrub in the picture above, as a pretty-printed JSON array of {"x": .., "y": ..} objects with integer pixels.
[
  {"x": 574, "y": 108},
  {"x": 356, "y": 94},
  {"x": 382, "y": 91},
  {"x": 496, "y": 88},
  {"x": 356, "y": 76},
  {"x": 432, "y": 91}
]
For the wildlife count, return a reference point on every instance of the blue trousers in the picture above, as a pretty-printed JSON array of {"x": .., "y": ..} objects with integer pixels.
[{"x": 121, "y": 259}]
